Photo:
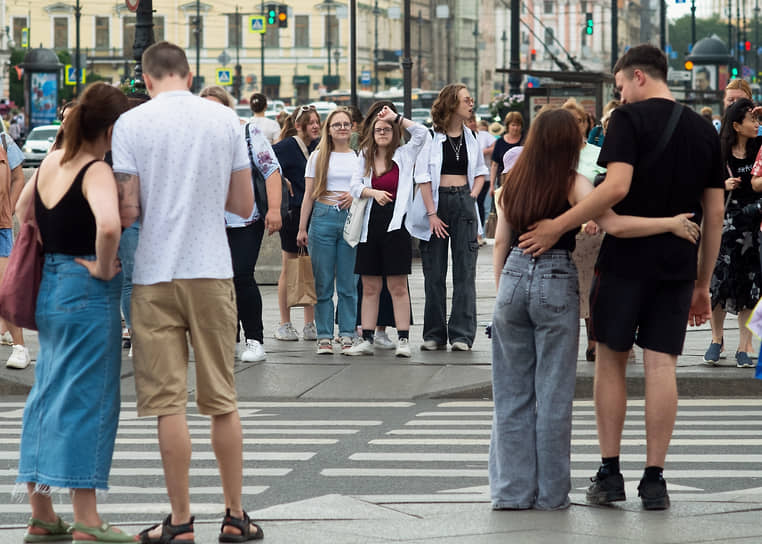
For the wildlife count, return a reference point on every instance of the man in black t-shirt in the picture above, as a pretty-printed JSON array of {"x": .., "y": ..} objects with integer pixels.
[{"x": 646, "y": 289}]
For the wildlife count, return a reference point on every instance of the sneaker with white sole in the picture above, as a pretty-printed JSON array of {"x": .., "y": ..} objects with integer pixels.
[
  {"x": 460, "y": 346},
  {"x": 403, "y": 348},
  {"x": 346, "y": 343},
  {"x": 252, "y": 352},
  {"x": 6, "y": 339},
  {"x": 361, "y": 348},
  {"x": 287, "y": 333},
  {"x": 19, "y": 357},
  {"x": 324, "y": 346},
  {"x": 432, "y": 345},
  {"x": 309, "y": 332},
  {"x": 382, "y": 341}
]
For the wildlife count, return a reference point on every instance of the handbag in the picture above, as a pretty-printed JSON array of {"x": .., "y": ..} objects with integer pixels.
[
  {"x": 300, "y": 282},
  {"x": 354, "y": 222},
  {"x": 23, "y": 274}
]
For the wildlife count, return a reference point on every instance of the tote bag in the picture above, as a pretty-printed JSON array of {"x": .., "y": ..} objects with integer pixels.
[
  {"x": 355, "y": 218},
  {"x": 300, "y": 283}
]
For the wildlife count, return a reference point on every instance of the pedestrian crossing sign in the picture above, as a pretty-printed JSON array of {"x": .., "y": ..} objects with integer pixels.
[
  {"x": 70, "y": 77},
  {"x": 257, "y": 24},
  {"x": 224, "y": 77}
]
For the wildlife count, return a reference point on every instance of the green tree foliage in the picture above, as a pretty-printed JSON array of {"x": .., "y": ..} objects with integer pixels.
[{"x": 680, "y": 35}]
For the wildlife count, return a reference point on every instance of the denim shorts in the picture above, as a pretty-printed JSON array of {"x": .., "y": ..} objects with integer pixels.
[{"x": 6, "y": 242}]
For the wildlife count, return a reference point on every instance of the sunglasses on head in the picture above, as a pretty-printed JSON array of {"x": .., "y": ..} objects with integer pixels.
[{"x": 303, "y": 109}]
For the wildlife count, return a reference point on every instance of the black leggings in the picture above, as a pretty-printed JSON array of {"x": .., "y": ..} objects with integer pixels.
[{"x": 244, "y": 245}]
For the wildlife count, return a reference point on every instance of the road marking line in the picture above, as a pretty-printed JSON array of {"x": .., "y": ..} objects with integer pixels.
[
  {"x": 284, "y": 423},
  {"x": 405, "y": 472}
]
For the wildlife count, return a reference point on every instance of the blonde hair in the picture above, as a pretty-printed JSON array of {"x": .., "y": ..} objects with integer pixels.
[
  {"x": 219, "y": 94},
  {"x": 325, "y": 149},
  {"x": 740, "y": 84},
  {"x": 573, "y": 106}
]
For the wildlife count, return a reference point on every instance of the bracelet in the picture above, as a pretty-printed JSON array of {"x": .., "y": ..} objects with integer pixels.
[
  {"x": 397, "y": 119},
  {"x": 430, "y": 214}
]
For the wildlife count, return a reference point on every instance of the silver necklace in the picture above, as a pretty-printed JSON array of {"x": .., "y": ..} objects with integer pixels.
[{"x": 454, "y": 148}]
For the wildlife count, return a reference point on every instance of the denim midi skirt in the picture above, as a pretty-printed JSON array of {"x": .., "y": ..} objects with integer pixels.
[{"x": 72, "y": 412}]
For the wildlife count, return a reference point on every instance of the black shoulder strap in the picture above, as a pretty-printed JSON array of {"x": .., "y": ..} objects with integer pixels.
[{"x": 666, "y": 136}]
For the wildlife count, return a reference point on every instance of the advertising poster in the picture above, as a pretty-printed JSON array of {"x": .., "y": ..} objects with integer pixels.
[{"x": 43, "y": 98}]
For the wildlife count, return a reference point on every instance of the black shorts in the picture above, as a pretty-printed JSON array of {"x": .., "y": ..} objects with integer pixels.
[
  {"x": 651, "y": 313},
  {"x": 384, "y": 253},
  {"x": 289, "y": 230}
]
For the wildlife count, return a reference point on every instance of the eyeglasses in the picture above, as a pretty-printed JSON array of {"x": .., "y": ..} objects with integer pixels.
[
  {"x": 468, "y": 100},
  {"x": 339, "y": 126},
  {"x": 303, "y": 109},
  {"x": 383, "y": 130}
]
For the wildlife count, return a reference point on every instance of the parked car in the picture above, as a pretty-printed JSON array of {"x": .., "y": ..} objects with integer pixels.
[
  {"x": 421, "y": 115},
  {"x": 38, "y": 144}
]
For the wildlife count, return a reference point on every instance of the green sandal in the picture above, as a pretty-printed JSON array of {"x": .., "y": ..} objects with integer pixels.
[
  {"x": 56, "y": 532},
  {"x": 103, "y": 534}
]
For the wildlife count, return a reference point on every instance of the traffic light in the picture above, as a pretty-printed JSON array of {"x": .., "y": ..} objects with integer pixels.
[
  {"x": 589, "y": 23},
  {"x": 688, "y": 65},
  {"x": 533, "y": 52},
  {"x": 283, "y": 16},
  {"x": 272, "y": 16},
  {"x": 734, "y": 72},
  {"x": 747, "y": 45}
]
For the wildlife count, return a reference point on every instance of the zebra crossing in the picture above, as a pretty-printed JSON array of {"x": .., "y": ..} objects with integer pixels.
[{"x": 423, "y": 451}]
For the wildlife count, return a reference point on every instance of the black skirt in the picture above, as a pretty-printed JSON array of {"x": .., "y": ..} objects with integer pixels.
[{"x": 384, "y": 253}]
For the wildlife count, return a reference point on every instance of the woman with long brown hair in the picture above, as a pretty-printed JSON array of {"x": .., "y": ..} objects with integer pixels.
[
  {"x": 535, "y": 327},
  {"x": 325, "y": 207},
  {"x": 444, "y": 213}
]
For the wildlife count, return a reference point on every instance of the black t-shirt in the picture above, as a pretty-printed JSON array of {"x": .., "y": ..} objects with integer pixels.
[
  {"x": 741, "y": 168},
  {"x": 500, "y": 149},
  {"x": 673, "y": 183}
]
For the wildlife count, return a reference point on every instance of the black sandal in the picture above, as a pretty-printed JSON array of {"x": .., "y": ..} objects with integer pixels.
[
  {"x": 168, "y": 533},
  {"x": 243, "y": 525}
]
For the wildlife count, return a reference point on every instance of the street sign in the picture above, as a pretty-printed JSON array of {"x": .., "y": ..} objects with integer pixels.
[
  {"x": 257, "y": 24},
  {"x": 224, "y": 76},
  {"x": 223, "y": 58},
  {"x": 70, "y": 77},
  {"x": 24, "y": 37},
  {"x": 132, "y": 5},
  {"x": 679, "y": 75},
  {"x": 365, "y": 77}
]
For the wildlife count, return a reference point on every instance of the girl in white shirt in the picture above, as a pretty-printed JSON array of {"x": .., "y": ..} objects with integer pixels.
[
  {"x": 385, "y": 174},
  {"x": 327, "y": 199}
]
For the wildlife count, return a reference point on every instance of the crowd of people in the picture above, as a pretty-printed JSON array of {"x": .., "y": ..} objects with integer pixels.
[{"x": 163, "y": 230}]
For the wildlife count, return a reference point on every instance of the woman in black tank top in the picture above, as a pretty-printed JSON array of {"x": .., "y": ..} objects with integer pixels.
[
  {"x": 73, "y": 407},
  {"x": 535, "y": 330}
]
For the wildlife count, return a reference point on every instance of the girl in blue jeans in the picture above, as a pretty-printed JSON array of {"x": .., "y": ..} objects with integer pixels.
[
  {"x": 535, "y": 327},
  {"x": 327, "y": 198}
]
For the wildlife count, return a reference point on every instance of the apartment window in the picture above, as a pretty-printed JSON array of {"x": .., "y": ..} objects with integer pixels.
[
  {"x": 548, "y": 7},
  {"x": 60, "y": 32},
  {"x": 102, "y": 33},
  {"x": 301, "y": 31},
  {"x": 19, "y": 23},
  {"x": 331, "y": 30},
  {"x": 195, "y": 29},
  {"x": 234, "y": 31}
]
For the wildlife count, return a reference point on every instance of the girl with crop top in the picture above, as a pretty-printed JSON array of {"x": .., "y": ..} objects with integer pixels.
[
  {"x": 76, "y": 386},
  {"x": 535, "y": 327},
  {"x": 385, "y": 174},
  {"x": 327, "y": 199},
  {"x": 450, "y": 176}
]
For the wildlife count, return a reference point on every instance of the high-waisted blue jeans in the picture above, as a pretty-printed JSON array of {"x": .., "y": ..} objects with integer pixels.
[
  {"x": 535, "y": 337},
  {"x": 333, "y": 260}
]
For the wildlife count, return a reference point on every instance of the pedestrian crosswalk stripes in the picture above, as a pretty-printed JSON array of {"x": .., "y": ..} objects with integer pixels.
[{"x": 426, "y": 451}]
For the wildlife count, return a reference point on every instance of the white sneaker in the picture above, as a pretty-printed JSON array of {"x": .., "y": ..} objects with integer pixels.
[
  {"x": 460, "y": 346},
  {"x": 431, "y": 345},
  {"x": 347, "y": 342},
  {"x": 324, "y": 346},
  {"x": 129, "y": 354},
  {"x": 309, "y": 332},
  {"x": 19, "y": 358},
  {"x": 361, "y": 348},
  {"x": 382, "y": 341},
  {"x": 253, "y": 352},
  {"x": 403, "y": 348},
  {"x": 286, "y": 332},
  {"x": 6, "y": 339}
]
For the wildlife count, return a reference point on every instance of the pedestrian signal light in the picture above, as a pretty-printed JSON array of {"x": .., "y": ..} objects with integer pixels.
[
  {"x": 747, "y": 45},
  {"x": 271, "y": 15},
  {"x": 589, "y": 23},
  {"x": 688, "y": 65},
  {"x": 734, "y": 72},
  {"x": 283, "y": 16}
]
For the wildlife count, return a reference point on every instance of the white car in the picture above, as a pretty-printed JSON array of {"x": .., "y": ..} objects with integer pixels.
[{"x": 38, "y": 144}]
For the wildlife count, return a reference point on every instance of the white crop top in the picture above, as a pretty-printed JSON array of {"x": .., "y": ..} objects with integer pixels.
[{"x": 341, "y": 166}]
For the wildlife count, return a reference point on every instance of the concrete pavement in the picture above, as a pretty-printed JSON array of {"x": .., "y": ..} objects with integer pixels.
[{"x": 293, "y": 370}]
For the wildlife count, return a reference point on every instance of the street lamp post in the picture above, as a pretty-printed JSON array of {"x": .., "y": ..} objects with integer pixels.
[
  {"x": 143, "y": 38},
  {"x": 77, "y": 62},
  {"x": 336, "y": 57},
  {"x": 420, "y": 49},
  {"x": 504, "y": 39},
  {"x": 376, "y": 13},
  {"x": 327, "y": 6}
]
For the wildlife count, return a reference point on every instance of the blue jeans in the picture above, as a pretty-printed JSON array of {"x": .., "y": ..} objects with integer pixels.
[
  {"x": 72, "y": 412},
  {"x": 127, "y": 246},
  {"x": 535, "y": 337},
  {"x": 333, "y": 260}
]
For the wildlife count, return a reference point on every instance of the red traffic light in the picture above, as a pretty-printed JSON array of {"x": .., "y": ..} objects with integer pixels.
[{"x": 747, "y": 45}]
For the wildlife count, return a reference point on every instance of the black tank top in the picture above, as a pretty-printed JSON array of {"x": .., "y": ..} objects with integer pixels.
[
  {"x": 568, "y": 240},
  {"x": 69, "y": 226},
  {"x": 456, "y": 165}
]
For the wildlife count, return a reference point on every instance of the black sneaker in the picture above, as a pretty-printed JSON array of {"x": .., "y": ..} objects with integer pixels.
[
  {"x": 606, "y": 489},
  {"x": 654, "y": 494}
]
